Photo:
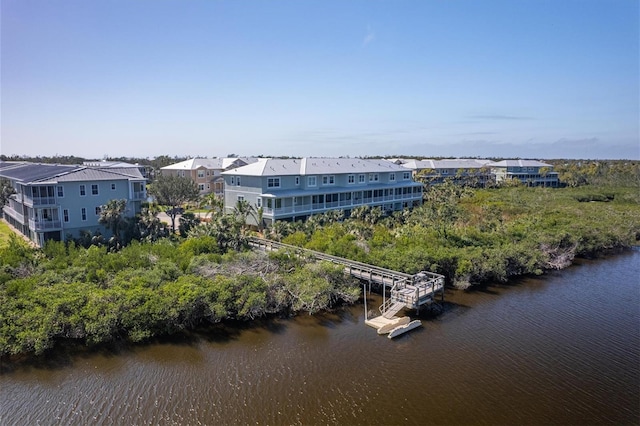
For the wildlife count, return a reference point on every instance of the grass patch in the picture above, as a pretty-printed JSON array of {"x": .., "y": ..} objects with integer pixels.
[{"x": 5, "y": 233}]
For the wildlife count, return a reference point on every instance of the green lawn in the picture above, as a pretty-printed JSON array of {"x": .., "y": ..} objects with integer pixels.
[{"x": 5, "y": 231}]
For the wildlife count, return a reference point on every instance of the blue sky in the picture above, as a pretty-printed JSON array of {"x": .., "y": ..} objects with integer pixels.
[{"x": 532, "y": 79}]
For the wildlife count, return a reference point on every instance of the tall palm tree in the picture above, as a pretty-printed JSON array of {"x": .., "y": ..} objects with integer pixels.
[{"x": 111, "y": 215}]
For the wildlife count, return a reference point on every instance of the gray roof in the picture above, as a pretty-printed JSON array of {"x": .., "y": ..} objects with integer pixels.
[
  {"x": 519, "y": 163},
  {"x": 314, "y": 166},
  {"x": 30, "y": 172},
  {"x": 53, "y": 173}
]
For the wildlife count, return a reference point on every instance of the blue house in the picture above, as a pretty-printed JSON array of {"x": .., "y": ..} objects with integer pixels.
[
  {"x": 293, "y": 189},
  {"x": 53, "y": 201}
]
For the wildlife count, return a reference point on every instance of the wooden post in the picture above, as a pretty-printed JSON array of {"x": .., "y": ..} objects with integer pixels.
[{"x": 364, "y": 292}]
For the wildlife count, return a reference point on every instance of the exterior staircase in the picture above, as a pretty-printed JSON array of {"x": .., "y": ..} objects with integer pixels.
[{"x": 392, "y": 307}]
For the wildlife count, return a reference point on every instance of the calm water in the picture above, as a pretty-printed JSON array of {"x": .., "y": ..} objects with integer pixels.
[{"x": 563, "y": 349}]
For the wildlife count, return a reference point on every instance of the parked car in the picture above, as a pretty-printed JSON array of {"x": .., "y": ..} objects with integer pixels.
[{"x": 175, "y": 211}]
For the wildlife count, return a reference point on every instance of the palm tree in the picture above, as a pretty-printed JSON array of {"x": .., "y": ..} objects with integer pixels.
[
  {"x": 214, "y": 203},
  {"x": 111, "y": 215}
]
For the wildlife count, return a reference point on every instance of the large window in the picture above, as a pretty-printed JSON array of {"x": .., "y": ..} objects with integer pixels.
[
  {"x": 201, "y": 186},
  {"x": 361, "y": 179},
  {"x": 374, "y": 177},
  {"x": 328, "y": 180},
  {"x": 392, "y": 177},
  {"x": 351, "y": 179},
  {"x": 94, "y": 189},
  {"x": 200, "y": 173},
  {"x": 311, "y": 181},
  {"x": 406, "y": 175},
  {"x": 273, "y": 182}
]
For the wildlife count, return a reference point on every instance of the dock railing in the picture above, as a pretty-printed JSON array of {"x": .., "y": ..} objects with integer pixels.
[{"x": 413, "y": 290}]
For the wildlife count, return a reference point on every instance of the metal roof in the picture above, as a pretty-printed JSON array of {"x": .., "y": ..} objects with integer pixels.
[
  {"x": 210, "y": 163},
  {"x": 53, "y": 173},
  {"x": 456, "y": 163},
  {"x": 314, "y": 166},
  {"x": 519, "y": 163}
]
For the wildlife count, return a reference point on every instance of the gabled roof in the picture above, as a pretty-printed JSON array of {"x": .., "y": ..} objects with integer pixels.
[
  {"x": 30, "y": 172},
  {"x": 313, "y": 166},
  {"x": 519, "y": 163},
  {"x": 210, "y": 163},
  {"x": 456, "y": 163},
  {"x": 53, "y": 173}
]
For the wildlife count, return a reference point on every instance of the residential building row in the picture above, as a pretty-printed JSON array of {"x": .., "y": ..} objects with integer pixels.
[
  {"x": 206, "y": 172},
  {"x": 59, "y": 201},
  {"x": 54, "y": 202},
  {"x": 294, "y": 189},
  {"x": 528, "y": 172}
]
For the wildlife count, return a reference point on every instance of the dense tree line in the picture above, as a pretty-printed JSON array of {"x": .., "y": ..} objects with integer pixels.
[{"x": 150, "y": 289}]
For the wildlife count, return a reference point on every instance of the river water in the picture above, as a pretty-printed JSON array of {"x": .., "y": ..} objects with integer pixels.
[{"x": 559, "y": 349}]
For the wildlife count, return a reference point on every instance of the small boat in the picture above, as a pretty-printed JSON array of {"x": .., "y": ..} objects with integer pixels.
[{"x": 404, "y": 328}]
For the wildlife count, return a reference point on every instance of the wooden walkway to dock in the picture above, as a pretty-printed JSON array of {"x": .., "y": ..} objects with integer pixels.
[{"x": 406, "y": 290}]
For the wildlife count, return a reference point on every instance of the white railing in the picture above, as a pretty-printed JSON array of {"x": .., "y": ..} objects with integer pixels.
[{"x": 41, "y": 225}]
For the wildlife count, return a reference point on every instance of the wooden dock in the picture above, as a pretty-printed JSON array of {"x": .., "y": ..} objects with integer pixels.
[{"x": 406, "y": 290}]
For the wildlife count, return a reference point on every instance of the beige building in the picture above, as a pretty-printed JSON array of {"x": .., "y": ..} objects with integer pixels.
[{"x": 206, "y": 172}]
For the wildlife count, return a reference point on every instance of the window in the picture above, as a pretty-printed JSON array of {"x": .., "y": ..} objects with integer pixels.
[
  {"x": 259, "y": 202},
  {"x": 328, "y": 180},
  {"x": 374, "y": 177},
  {"x": 360, "y": 178},
  {"x": 240, "y": 197},
  {"x": 297, "y": 180},
  {"x": 273, "y": 182},
  {"x": 60, "y": 191},
  {"x": 201, "y": 186},
  {"x": 311, "y": 181},
  {"x": 113, "y": 186},
  {"x": 392, "y": 177},
  {"x": 65, "y": 215},
  {"x": 445, "y": 171},
  {"x": 83, "y": 191},
  {"x": 94, "y": 189},
  {"x": 181, "y": 173},
  {"x": 406, "y": 175},
  {"x": 208, "y": 186},
  {"x": 200, "y": 173},
  {"x": 351, "y": 179},
  {"x": 237, "y": 180},
  {"x": 98, "y": 210},
  {"x": 84, "y": 213},
  {"x": 233, "y": 180}
]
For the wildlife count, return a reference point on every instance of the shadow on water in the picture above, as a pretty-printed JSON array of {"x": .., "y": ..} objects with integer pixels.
[{"x": 65, "y": 354}]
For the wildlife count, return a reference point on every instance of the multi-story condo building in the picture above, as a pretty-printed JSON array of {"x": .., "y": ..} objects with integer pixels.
[
  {"x": 54, "y": 202},
  {"x": 206, "y": 172},
  {"x": 293, "y": 189},
  {"x": 460, "y": 170},
  {"x": 529, "y": 172}
]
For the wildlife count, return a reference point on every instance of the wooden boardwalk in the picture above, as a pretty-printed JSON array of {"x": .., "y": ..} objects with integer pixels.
[{"x": 406, "y": 291}]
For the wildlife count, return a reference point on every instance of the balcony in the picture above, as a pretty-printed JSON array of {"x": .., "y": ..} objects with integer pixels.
[
  {"x": 45, "y": 225},
  {"x": 139, "y": 195},
  {"x": 40, "y": 201}
]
